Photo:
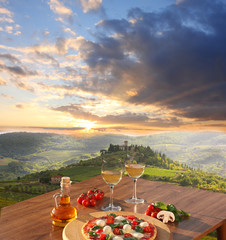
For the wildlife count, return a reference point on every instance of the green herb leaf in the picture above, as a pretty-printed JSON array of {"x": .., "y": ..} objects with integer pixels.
[
  {"x": 114, "y": 225},
  {"x": 171, "y": 208},
  {"x": 108, "y": 237},
  {"x": 93, "y": 234},
  {"x": 112, "y": 214},
  {"x": 183, "y": 213},
  {"x": 160, "y": 205},
  {"x": 125, "y": 222},
  {"x": 96, "y": 227},
  {"x": 139, "y": 229}
]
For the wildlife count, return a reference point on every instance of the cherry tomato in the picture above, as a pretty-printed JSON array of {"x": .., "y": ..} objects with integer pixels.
[
  {"x": 134, "y": 222},
  {"x": 117, "y": 231},
  {"x": 93, "y": 202},
  {"x": 127, "y": 235},
  {"x": 98, "y": 196},
  {"x": 131, "y": 217},
  {"x": 148, "y": 212},
  {"x": 103, "y": 236},
  {"x": 85, "y": 202},
  {"x": 151, "y": 208},
  {"x": 90, "y": 192},
  {"x": 154, "y": 214},
  {"x": 110, "y": 220},
  {"x": 80, "y": 199},
  {"x": 158, "y": 209},
  {"x": 84, "y": 195},
  {"x": 147, "y": 229},
  {"x": 100, "y": 230}
]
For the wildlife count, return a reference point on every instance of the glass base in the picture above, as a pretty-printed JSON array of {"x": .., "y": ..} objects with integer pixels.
[
  {"x": 111, "y": 208},
  {"x": 135, "y": 200}
]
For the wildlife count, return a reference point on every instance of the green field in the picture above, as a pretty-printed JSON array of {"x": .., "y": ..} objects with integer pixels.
[
  {"x": 160, "y": 172},
  {"x": 81, "y": 173}
]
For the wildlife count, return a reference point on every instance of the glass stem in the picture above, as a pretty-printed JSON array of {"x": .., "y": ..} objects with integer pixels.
[
  {"x": 135, "y": 189},
  {"x": 111, "y": 196}
]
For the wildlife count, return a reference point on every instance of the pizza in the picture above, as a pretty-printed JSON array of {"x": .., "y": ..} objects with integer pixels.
[{"x": 118, "y": 227}]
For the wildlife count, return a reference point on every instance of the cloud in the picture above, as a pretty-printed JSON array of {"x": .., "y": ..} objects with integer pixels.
[
  {"x": 2, "y": 82},
  {"x": 91, "y": 5},
  {"x": 20, "y": 71},
  {"x": 59, "y": 9},
  {"x": 174, "y": 59},
  {"x": 9, "y": 58},
  {"x": 123, "y": 119}
]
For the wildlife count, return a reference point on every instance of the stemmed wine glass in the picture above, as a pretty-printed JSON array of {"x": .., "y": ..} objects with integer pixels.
[
  {"x": 135, "y": 169},
  {"x": 111, "y": 172}
]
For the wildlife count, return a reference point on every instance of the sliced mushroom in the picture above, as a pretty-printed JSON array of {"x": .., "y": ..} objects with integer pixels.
[{"x": 166, "y": 216}]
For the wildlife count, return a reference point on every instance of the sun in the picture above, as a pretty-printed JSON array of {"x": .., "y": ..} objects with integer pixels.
[{"x": 86, "y": 124}]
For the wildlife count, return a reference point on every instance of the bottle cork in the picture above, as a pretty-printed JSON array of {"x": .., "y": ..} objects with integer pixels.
[{"x": 65, "y": 180}]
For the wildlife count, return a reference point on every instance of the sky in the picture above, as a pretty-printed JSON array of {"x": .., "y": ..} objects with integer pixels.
[{"x": 112, "y": 66}]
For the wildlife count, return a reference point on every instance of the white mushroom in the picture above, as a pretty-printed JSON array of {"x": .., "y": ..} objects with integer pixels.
[{"x": 166, "y": 216}]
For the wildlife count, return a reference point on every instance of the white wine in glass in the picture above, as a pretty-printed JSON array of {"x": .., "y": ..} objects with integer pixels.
[
  {"x": 135, "y": 170},
  {"x": 111, "y": 172}
]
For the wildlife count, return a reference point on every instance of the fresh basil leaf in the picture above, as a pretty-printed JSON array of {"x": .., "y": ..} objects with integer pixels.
[
  {"x": 125, "y": 221},
  {"x": 183, "y": 213},
  {"x": 108, "y": 237},
  {"x": 171, "y": 208},
  {"x": 177, "y": 217},
  {"x": 112, "y": 214},
  {"x": 139, "y": 229},
  {"x": 93, "y": 234},
  {"x": 160, "y": 205},
  {"x": 96, "y": 227},
  {"x": 114, "y": 225}
]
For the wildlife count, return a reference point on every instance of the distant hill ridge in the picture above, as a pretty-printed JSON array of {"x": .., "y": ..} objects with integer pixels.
[{"x": 22, "y": 153}]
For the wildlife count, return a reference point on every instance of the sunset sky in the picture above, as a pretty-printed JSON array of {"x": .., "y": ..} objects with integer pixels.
[{"x": 119, "y": 66}]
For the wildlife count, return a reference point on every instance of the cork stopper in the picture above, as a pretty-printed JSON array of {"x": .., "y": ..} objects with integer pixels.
[{"x": 65, "y": 180}]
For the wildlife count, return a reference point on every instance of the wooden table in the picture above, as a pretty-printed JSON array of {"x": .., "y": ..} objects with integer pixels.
[{"x": 31, "y": 219}]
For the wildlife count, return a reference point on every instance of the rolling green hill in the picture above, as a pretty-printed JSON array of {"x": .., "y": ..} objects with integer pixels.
[{"x": 22, "y": 153}]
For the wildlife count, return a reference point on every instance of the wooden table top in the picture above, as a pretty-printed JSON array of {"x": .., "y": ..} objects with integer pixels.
[{"x": 30, "y": 219}]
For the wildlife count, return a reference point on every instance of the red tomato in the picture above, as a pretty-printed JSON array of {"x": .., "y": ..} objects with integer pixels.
[
  {"x": 99, "y": 196},
  {"x": 151, "y": 208},
  {"x": 84, "y": 195},
  {"x": 131, "y": 217},
  {"x": 85, "y": 202},
  {"x": 103, "y": 236},
  {"x": 117, "y": 231},
  {"x": 127, "y": 235},
  {"x": 154, "y": 214},
  {"x": 90, "y": 192},
  {"x": 80, "y": 199},
  {"x": 158, "y": 209},
  {"x": 147, "y": 229},
  {"x": 93, "y": 202},
  {"x": 148, "y": 212},
  {"x": 110, "y": 220},
  {"x": 134, "y": 222},
  {"x": 100, "y": 230}
]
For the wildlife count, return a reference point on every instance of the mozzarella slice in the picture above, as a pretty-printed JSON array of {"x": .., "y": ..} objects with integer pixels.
[
  {"x": 117, "y": 238},
  {"x": 100, "y": 223},
  {"x": 119, "y": 218},
  {"x": 137, "y": 235},
  {"x": 144, "y": 224},
  {"x": 107, "y": 229},
  {"x": 127, "y": 228}
]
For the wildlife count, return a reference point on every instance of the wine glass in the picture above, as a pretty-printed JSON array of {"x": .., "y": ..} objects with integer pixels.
[
  {"x": 111, "y": 171},
  {"x": 135, "y": 169}
]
